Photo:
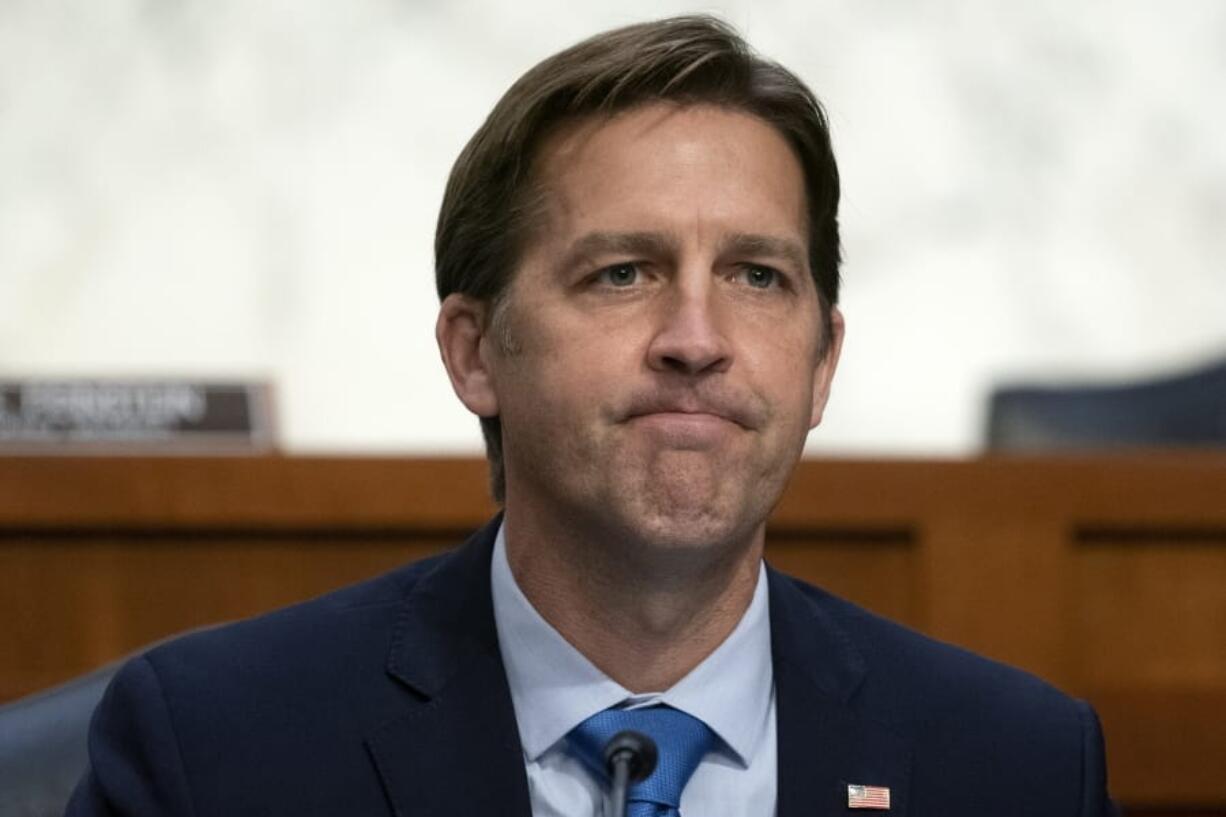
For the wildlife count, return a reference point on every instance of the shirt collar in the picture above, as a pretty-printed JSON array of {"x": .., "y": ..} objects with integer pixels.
[{"x": 554, "y": 687}]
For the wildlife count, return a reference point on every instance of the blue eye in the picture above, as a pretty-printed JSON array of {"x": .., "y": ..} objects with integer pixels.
[
  {"x": 619, "y": 275},
  {"x": 760, "y": 277}
]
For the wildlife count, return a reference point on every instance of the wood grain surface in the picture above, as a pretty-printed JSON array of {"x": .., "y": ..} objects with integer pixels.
[{"x": 1104, "y": 575}]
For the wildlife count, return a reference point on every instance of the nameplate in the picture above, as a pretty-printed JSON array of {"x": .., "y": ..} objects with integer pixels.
[{"x": 140, "y": 416}]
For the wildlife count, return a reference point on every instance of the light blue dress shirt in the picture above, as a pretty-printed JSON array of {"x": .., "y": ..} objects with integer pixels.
[{"x": 554, "y": 688}]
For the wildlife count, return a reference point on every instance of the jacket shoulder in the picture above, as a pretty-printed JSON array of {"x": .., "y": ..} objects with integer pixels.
[
  {"x": 969, "y": 718},
  {"x": 929, "y": 678},
  {"x": 358, "y": 615},
  {"x": 222, "y": 719}
]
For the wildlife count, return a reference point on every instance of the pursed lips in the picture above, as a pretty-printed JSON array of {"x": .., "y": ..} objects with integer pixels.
[{"x": 696, "y": 412}]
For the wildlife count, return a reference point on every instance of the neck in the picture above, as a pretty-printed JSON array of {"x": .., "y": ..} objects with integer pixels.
[{"x": 644, "y": 614}]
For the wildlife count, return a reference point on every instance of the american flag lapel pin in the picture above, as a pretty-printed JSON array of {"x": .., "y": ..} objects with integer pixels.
[{"x": 868, "y": 797}]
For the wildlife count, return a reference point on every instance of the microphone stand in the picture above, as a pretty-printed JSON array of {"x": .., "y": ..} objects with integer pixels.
[{"x": 629, "y": 757}]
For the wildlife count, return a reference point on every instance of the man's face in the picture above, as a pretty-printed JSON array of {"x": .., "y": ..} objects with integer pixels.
[{"x": 657, "y": 366}]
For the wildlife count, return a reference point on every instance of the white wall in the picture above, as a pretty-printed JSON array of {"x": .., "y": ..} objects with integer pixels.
[{"x": 232, "y": 188}]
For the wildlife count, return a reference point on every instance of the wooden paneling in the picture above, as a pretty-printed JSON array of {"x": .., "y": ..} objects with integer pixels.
[
  {"x": 877, "y": 569},
  {"x": 1107, "y": 576},
  {"x": 1165, "y": 745},
  {"x": 1150, "y": 630},
  {"x": 76, "y": 602},
  {"x": 1164, "y": 598}
]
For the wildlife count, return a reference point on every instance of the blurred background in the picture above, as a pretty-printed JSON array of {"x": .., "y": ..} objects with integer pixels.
[
  {"x": 242, "y": 193},
  {"x": 1034, "y": 193}
]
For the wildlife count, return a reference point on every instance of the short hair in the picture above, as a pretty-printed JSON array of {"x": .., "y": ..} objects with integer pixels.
[{"x": 492, "y": 200}]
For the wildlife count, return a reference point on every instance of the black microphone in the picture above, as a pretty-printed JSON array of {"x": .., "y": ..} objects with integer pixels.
[{"x": 629, "y": 757}]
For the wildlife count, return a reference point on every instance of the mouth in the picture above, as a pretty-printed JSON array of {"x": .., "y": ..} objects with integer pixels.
[
  {"x": 687, "y": 430},
  {"x": 688, "y": 421},
  {"x": 702, "y": 412},
  {"x": 697, "y": 418},
  {"x": 695, "y": 413}
]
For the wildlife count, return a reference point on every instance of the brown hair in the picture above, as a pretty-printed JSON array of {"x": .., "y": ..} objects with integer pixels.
[{"x": 491, "y": 204}]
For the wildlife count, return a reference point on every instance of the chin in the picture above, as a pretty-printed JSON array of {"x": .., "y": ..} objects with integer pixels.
[
  {"x": 681, "y": 501},
  {"x": 674, "y": 530},
  {"x": 684, "y": 516}
]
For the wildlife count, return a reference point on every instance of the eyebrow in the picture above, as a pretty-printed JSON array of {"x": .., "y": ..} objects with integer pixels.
[
  {"x": 649, "y": 244},
  {"x": 752, "y": 244},
  {"x": 655, "y": 244}
]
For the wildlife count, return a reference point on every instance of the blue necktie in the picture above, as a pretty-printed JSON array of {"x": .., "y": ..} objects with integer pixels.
[{"x": 682, "y": 741}]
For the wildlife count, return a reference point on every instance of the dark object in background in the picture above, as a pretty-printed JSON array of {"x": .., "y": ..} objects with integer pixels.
[
  {"x": 43, "y": 740},
  {"x": 1182, "y": 410},
  {"x": 137, "y": 415},
  {"x": 42, "y": 745}
]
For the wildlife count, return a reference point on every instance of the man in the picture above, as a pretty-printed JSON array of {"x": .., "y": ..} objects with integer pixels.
[{"x": 638, "y": 264}]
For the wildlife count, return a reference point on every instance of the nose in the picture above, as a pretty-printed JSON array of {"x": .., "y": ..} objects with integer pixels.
[{"x": 689, "y": 338}]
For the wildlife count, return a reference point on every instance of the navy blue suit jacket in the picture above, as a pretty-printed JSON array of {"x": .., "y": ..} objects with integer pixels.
[{"x": 390, "y": 698}]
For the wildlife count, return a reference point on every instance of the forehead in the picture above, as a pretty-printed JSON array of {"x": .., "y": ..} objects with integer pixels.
[{"x": 696, "y": 170}]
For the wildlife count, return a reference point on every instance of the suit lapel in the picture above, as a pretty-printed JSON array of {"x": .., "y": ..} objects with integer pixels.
[
  {"x": 455, "y": 751},
  {"x": 456, "y": 748},
  {"x": 825, "y": 744}
]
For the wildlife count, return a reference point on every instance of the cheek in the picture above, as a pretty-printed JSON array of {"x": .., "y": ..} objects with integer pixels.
[
  {"x": 782, "y": 369},
  {"x": 556, "y": 374}
]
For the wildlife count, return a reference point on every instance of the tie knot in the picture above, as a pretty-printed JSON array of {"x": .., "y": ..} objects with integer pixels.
[{"x": 682, "y": 741}]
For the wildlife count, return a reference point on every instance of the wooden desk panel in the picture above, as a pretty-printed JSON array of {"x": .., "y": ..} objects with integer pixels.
[{"x": 1106, "y": 576}]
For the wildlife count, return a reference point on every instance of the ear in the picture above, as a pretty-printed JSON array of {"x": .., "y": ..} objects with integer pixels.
[
  {"x": 462, "y": 342},
  {"x": 824, "y": 373}
]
